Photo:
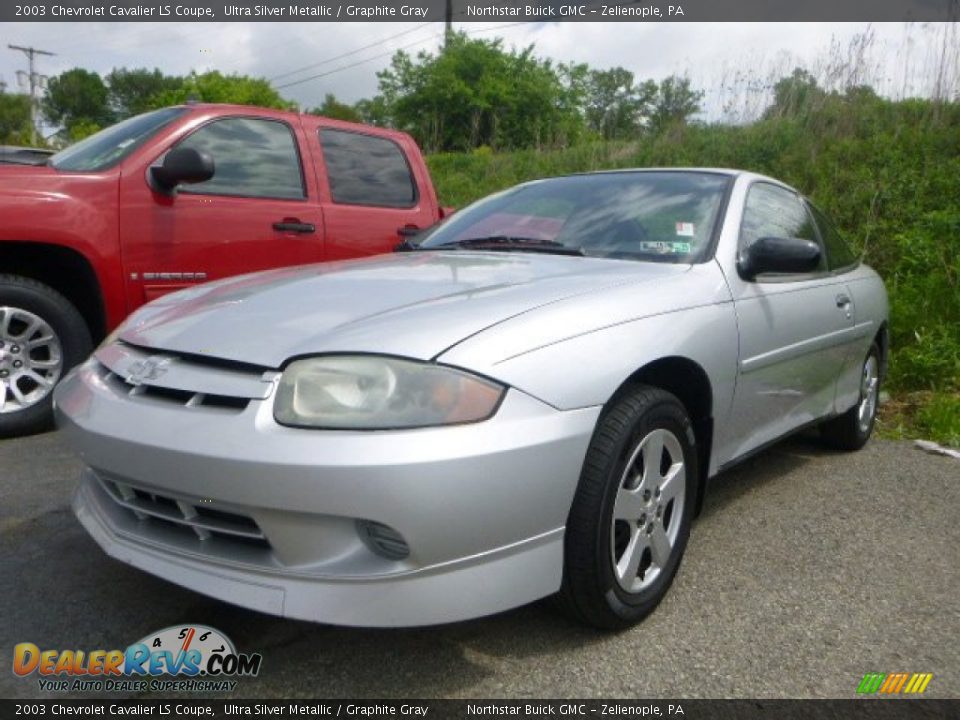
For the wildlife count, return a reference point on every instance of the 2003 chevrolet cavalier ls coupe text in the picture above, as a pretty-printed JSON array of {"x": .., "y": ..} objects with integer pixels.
[{"x": 529, "y": 402}]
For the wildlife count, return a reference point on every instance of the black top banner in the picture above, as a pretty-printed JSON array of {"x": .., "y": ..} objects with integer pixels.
[{"x": 465, "y": 11}]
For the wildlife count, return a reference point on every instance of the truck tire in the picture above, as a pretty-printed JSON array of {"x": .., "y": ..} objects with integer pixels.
[{"x": 42, "y": 336}]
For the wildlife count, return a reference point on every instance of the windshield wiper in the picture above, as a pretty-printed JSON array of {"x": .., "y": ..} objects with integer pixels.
[{"x": 509, "y": 243}]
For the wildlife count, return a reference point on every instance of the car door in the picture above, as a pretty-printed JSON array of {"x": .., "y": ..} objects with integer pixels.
[
  {"x": 794, "y": 328},
  {"x": 258, "y": 211},
  {"x": 372, "y": 195}
]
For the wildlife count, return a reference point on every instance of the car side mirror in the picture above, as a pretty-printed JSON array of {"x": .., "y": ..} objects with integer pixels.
[
  {"x": 779, "y": 255},
  {"x": 181, "y": 165}
]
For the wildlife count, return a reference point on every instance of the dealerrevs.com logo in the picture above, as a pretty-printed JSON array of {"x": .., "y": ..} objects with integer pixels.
[{"x": 201, "y": 658}]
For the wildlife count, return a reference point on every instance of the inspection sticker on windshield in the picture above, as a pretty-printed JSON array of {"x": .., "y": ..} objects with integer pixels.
[
  {"x": 685, "y": 229},
  {"x": 665, "y": 248}
]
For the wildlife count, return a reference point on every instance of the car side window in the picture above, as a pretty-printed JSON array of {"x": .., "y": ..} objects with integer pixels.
[
  {"x": 253, "y": 158},
  {"x": 367, "y": 170},
  {"x": 773, "y": 211},
  {"x": 839, "y": 254}
]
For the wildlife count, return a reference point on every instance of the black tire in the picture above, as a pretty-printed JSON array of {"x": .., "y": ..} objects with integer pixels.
[
  {"x": 846, "y": 432},
  {"x": 591, "y": 591},
  {"x": 70, "y": 330}
]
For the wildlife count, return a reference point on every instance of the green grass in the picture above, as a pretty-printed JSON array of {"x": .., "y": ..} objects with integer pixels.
[{"x": 887, "y": 172}]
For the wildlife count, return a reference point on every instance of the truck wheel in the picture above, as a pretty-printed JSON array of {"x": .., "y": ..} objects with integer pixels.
[
  {"x": 41, "y": 337},
  {"x": 631, "y": 515},
  {"x": 851, "y": 430}
]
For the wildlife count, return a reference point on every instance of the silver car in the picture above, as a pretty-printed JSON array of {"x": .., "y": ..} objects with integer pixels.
[{"x": 527, "y": 403}]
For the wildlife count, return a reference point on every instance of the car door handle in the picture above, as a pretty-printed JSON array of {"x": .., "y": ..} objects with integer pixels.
[
  {"x": 294, "y": 226},
  {"x": 843, "y": 300},
  {"x": 408, "y": 231}
]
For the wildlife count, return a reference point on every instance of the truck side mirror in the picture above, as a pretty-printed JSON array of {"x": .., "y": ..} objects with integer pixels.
[{"x": 181, "y": 165}]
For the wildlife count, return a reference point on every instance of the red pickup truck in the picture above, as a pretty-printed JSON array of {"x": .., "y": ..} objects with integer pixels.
[{"x": 176, "y": 197}]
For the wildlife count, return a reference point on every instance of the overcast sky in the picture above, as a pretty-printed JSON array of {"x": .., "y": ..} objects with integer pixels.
[{"x": 722, "y": 58}]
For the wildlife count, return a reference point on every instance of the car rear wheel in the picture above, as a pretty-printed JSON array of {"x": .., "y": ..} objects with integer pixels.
[
  {"x": 631, "y": 515},
  {"x": 851, "y": 430},
  {"x": 42, "y": 335}
]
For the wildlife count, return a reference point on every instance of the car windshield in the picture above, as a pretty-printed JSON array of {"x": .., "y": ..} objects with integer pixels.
[
  {"x": 660, "y": 216},
  {"x": 110, "y": 146}
]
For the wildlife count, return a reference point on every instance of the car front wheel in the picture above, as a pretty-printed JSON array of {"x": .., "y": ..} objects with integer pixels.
[{"x": 631, "y": 515}]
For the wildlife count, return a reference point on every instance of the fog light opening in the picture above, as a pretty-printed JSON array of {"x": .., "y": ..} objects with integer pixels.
[{"x": 383, "y": 540}]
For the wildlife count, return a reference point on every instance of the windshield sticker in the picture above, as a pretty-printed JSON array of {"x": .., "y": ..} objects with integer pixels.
[
  {"x": 685, "y": 229},
  {"x": 665, "y": 248}
]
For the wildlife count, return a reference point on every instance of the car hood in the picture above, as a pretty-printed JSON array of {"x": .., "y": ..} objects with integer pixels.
[{"x": 410, "y": 304}]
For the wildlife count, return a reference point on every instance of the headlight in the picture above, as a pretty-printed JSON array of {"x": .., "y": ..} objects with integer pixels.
[{"x": 366, "y": 392}]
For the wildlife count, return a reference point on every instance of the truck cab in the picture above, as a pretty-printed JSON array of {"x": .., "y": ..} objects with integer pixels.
[{"x": 177, "y": 197}]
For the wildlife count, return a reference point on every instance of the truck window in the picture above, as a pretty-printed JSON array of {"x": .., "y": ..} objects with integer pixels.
[
  {"x": 253, "y": 158},
  {"x": 111, "y": 145},
  {"x": 367, "y": 170}
]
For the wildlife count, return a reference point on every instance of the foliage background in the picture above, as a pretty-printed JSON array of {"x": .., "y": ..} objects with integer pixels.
[{"x": 887, "y": 170}]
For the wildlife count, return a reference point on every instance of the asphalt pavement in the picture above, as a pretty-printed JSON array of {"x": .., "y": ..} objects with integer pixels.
[{"x": 806, "y": 570}]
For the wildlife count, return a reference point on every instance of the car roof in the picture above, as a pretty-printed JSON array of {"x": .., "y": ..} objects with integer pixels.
[{"x": 729, "y": 172}]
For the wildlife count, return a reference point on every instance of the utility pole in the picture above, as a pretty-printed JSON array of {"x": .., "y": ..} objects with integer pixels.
[
  {"x": 34, "y": 81},
  {"x": 449, "y": 31}
]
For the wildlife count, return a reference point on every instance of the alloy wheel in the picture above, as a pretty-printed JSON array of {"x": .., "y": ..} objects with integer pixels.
[
  {"x": 647, "y": 511},
  {"x": 31, "y": 359}
]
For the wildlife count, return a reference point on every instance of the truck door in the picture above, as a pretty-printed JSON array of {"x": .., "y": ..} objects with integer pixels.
[
  {"x": 260, "y": 210},
  {"x": 372, "y": 194}
]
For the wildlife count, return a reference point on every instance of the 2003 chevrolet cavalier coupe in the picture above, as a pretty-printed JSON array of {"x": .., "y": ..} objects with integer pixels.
[{"x": 528, "y": 403}]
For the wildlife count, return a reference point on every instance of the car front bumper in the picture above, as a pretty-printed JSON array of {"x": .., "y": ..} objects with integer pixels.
[{"x": 233, "y": 505}]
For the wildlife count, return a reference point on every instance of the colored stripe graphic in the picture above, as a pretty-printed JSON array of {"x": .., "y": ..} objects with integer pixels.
[
  {"x": 871, "y": 683},
  {"x": 894, "y": 683}
]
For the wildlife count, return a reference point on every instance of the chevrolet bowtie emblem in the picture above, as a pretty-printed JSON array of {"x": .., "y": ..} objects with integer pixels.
[{"x": 144, "y": 370}]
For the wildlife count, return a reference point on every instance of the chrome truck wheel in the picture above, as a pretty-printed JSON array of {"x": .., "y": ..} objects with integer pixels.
[
  {"x": 31, "y": 359},
  {"x": 42, "y": 335}
]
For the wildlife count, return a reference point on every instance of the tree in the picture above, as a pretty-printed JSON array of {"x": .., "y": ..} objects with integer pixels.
[
  {"x": 132, "y": 92},
  {"x": 795, "y": 95},
  {"x": 476, "y": 93},
  {"x": 16, "y": 125},
  {"x": 333, "y": 108},
  {"x": 218, "y": 88},
  {"x": 615, "y": 108},
  {"x": 675, "y": 103},
  {"x": 77, "y": 99},
  {"x": 374, "y": 111}
]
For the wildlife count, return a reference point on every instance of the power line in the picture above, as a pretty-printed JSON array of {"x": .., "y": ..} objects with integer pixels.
[
  {"x": 354, "y": 64},
  {"x": 348, "y": 54},
  {"x": 34, "y": 81},
  {"x": 385, "y": 54}
]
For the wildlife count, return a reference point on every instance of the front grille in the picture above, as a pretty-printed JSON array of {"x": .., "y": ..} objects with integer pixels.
[
  {"x": 185, "y": 398},
  {"x": 182, "y": 380},
  {"x": 198, "y": 517}
]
